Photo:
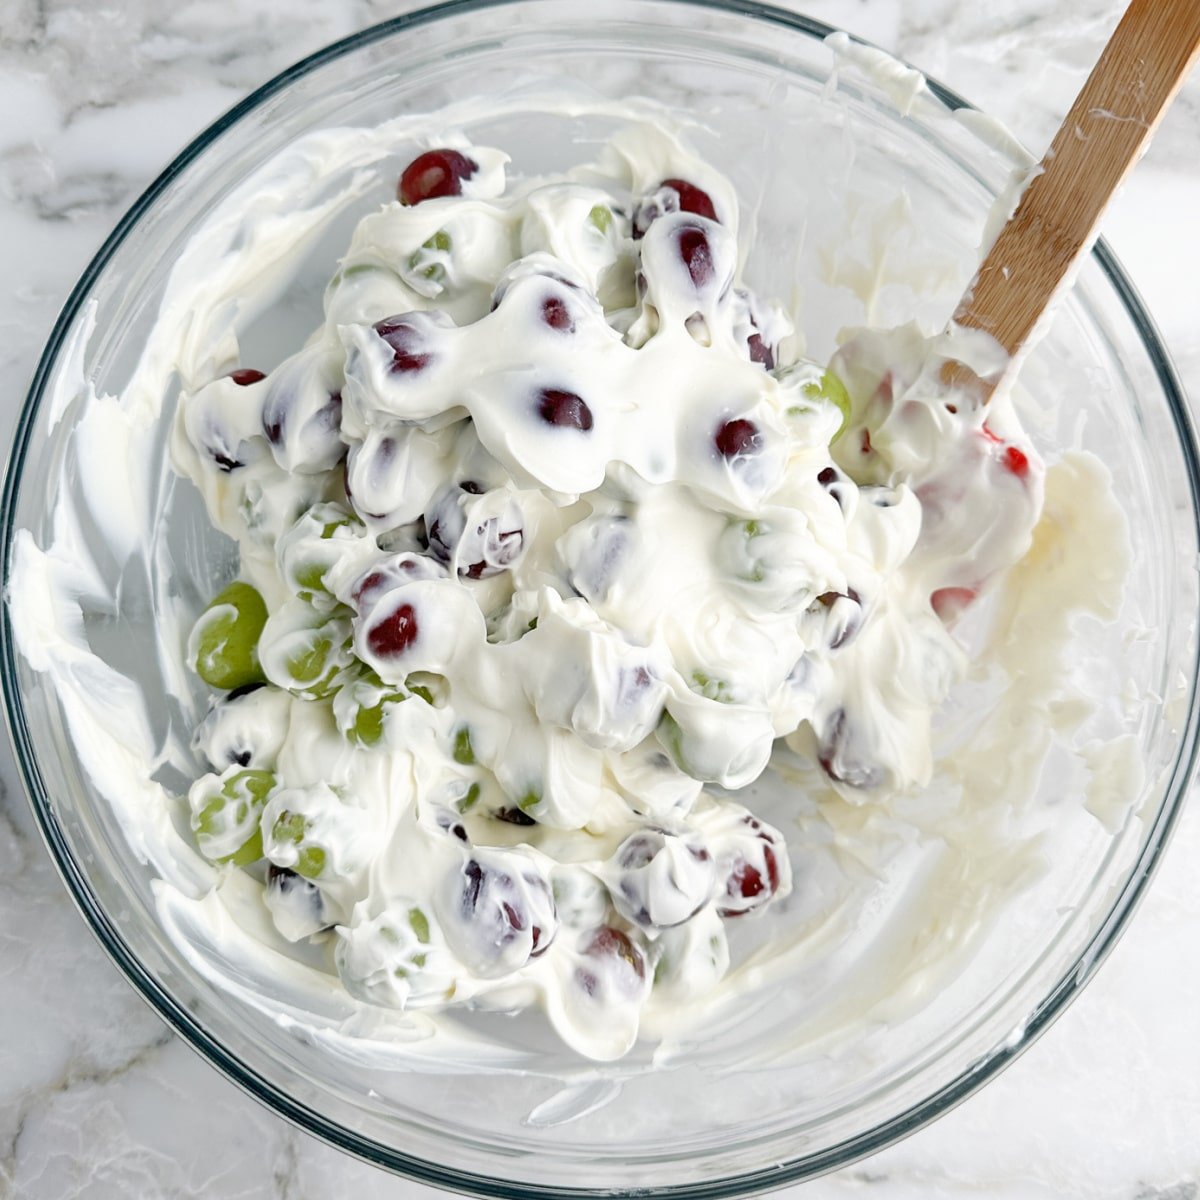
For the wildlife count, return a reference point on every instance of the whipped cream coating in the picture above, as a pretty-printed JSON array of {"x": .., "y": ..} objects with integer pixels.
[
  {"x": 591, "y": 552},
  {"x": 623, "y": 619}
]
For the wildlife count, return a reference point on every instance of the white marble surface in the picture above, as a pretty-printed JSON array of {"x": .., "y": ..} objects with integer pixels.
[{"x": 97, "y": 1099}]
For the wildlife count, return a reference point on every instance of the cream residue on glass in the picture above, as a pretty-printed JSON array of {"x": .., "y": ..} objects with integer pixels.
[{"x": 553, "y": 554}]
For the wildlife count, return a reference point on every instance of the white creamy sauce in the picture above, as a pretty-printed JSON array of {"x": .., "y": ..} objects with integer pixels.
[
  {"x": 903, "y": 85},
  {"x": 560, "y": 550}
]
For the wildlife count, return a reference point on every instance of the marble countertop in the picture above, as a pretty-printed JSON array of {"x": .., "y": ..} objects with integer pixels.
[{"x": 97, "y": 1098}]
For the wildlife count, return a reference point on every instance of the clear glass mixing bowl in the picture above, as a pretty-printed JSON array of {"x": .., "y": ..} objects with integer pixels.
[{"x": 817, "y": 173}]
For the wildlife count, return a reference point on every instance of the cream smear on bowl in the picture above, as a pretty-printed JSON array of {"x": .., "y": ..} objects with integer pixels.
[{"x": 575, "y": 571}]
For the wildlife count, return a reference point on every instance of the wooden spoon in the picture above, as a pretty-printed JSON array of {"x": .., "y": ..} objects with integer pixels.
[{"x": 1105, "y": 133}]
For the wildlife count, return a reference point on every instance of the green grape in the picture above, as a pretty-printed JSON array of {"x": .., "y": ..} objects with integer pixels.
[
  {"x": 309, "y": 667},
  {"x": 601, "y": 217},
  {"x": 433, "y": 689},
  {"x": 831, "y": 390},
  {"x": 310, "y": 579},
  {"x": 464, "y": 752},
  {"x": 418, "y": 928},
  {"x": 224, "y": 642},
  {"x": 308, "y": 651},
  {"x": 670, "y": 735},
  {"x": 311, "y": 862},
  {"x": 327, "y": 530},
  {"x": 469, "y": 801},
  {"x": 290, "y": 827},
  {"x": 311, "y": 547},
  {"x": 419, "y": 923},
  {"x": 234, "y": 810},
  {"x": 755, "y": 574},
  {"x": 363, "y": 704},
  {"x": 367, "y": 728},
  {"x": 419, "y": 262},
  {"x": 712, "y": 689},
  {"x": 293, "y": 827}
]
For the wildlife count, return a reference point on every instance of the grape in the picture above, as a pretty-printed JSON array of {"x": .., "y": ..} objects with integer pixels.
[
  {"x": 445, "y": 521},
  {"x": 581, "y": 900},
  {"x": 760, "y": 352},
  {"x": 478, "y": 548},
  {"x": 303, "y": 427},
  {"x": 318, "y": 540},
  {"x": 672, "y": 196},
  {"x": 435, "y": 173},
  {"x": 405, "y": 567},
  {"x": 536, "y": 271},
  {"x": 691, "y": 198},
  {"x": 609, "y": 984},
  {"x": 367, "y": 728},
  {"x": 291, "y": 828},
  {"x": 726, "y": 743},
  {"x": 418, "y": 922},
  {"x": 469, "y": 798},
  {"x": 245, "y": 376},
  {"x": 306, "y": 650},
  {"x": 226, "y": 811},
  {"x": 753, "y": 863},
  {"x": 686, "y": 272},
  {"x": 513, "y": 816},
  {"x": 313, "y": 674},
  {"x": 842, "y": 755},
  {"x": 394, "y": 633},
  {"x": 951, "y": 602},
  {"x": 557, "y": 315},
  {"x": 361, "y": 706},
  {"x": 595, "y": 551},
  {"x": 712, "y": 688},
  {"x": 297, "y": 905},
  {"x": 829, "y": 389},
  {"x": 223, "y": 646},
  {"x": 737, "y": 437},
  {"x": 696, "y": 254},
  {"x": 601, "y": 217},
  {"x": 404, "y": 336},
  {"x": 396, "y": 958},
  {"x": 659, "y": 880},
  {"x": 426, "y": 271},
  {"x": 564, "y": 409},
  {"x": 464, "y": 752},
  {"x": 845, "y": 615},
  {"x": 613, "y": 967},
  {"x": 499, "y": 912},
  {"x": 245, "y": 728}
]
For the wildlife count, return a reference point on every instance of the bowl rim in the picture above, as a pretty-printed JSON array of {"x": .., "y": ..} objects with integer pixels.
[{"x": 178, "y": 1018}]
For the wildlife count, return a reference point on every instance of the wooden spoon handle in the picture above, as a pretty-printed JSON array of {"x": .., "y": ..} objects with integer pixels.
[{"x": 1106, "y": 131}]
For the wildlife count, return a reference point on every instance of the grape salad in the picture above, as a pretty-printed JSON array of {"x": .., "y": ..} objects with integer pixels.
[{"x": 549, "y": 541}]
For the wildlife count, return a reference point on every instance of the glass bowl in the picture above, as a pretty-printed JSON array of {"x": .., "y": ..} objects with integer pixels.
[{"x": 822, "y": 173}]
